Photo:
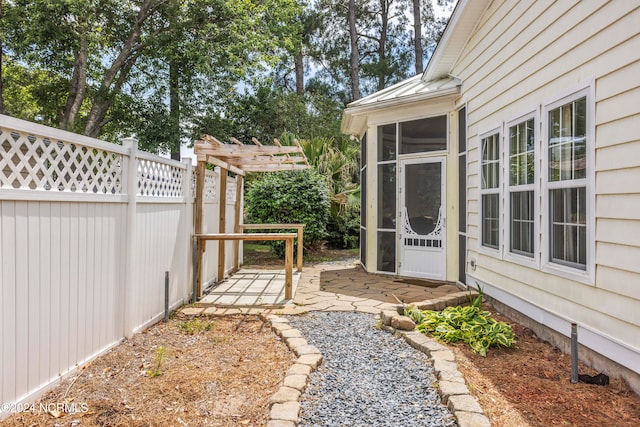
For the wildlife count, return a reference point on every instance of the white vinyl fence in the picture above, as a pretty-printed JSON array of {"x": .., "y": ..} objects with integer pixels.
[{"x": 87, "y": 231}]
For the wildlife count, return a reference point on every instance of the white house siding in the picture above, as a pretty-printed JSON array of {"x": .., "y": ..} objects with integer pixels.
[{"x": 522, "y": 56}]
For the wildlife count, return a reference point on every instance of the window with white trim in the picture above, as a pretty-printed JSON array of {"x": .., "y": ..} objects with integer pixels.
[
  {"x": 490, "y": 190},
  {"x": 566, "y": 143},
  {"x": 521, "y": 188}
]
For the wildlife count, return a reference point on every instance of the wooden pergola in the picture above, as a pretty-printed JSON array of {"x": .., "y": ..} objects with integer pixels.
[{"x": 241, "y": 159}]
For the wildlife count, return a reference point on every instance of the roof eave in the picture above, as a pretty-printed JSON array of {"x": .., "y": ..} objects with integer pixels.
[
  {"x": 354, "y": 118},
  {"x": 449, "y": 47}
]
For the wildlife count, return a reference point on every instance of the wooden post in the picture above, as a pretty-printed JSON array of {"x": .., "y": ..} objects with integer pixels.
[
  {"x": 198, "y": 226},
  {"x": 288, "y": 267},
  {"x": 236, "y": 224},
  {"x": 300, "y": 248},
  {"x": 222, "y": 191}
]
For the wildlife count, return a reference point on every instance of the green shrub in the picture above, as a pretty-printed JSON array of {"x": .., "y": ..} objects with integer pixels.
[
  {"x": 344, "y": 230},
  {"x": 290, "y": 197},
  {"x": 470, "y": 324}
]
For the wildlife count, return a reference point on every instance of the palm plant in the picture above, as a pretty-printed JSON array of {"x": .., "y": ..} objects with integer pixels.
[{"x": 336, "y": 159}]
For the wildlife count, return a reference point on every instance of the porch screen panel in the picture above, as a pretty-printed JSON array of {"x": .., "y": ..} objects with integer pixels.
[
  {"x": 387, "y": 251},
  {"x": 387, "y": 142},
  {"x": 363, "y": 200},
  {"x": 423, "y": 135},
  {"x": 387, "y": 148},
  {"x": 462, "y": 194},
  {"x": 387, "y": 196},
  {"x": 363, "y": 246},
  {"x": 363, "y": 182}
]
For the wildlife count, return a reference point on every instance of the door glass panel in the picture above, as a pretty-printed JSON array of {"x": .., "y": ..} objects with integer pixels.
[{"x": 423, "y": 196}]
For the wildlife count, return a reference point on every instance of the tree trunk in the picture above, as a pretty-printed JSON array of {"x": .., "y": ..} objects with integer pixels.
[
  {"x": 117, "y": 74},
  {"x": 1, "y": 79},
  {"x": 174, "y": 108},
  {"x": 417, "y": 36},
  {"x": 77, "y": 86},
  {"x": 382, "y": 45},
  {"x": 355, "y": 56},
  {"x": 299, "y": 73},
  {"x": 1, "y": 53}
]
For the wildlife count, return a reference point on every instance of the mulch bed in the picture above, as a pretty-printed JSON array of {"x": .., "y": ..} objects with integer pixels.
[
  {"x": 530, "y": 384},
  {"x": 217, "y": 372}
]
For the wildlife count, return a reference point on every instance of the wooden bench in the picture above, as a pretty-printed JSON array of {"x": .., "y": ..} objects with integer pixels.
[{"x": 288, "y": 258}]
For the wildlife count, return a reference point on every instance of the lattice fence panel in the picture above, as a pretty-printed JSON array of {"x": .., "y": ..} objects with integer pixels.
[
  {"x": 157, "y": 179},
  {"x": 31, "y": 162},
  {"x": 192, "y": 186},
  {"x": 231, "y": 192},
  {"x": 210, "y": 183}
]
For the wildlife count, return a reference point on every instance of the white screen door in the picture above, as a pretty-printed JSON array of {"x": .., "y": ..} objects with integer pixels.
[{"x": 422, "y": 227}]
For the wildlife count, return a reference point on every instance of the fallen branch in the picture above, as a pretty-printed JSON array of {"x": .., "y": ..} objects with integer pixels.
[{"x": 82, "y": 370}]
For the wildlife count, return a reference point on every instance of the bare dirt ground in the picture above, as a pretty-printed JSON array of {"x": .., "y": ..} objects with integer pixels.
[
  {"x": 221, "y": 372},
  {"x": 214, "y": 372}
]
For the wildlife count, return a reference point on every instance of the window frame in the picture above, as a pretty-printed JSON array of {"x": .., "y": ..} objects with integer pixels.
[
  {"x": 482, "y": 248},
  {"x": 586, "y": 276},
  {"x": 509, "y": 255}
]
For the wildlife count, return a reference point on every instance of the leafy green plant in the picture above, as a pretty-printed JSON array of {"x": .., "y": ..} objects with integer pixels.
[
  {"x": 195, "y": 325},
  {"x": 162, "y": 353},
  {"x": 290, "y": 197},
  {"x": 470, "y": 324}
]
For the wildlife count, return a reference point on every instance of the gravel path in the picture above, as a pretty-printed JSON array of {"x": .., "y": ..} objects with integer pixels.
[{"x": 368, "y": 377}]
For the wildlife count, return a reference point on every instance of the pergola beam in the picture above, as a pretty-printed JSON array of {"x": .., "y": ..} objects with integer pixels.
[
  {"x": 228, "y": 150},
  {"x": 221, "y": 164},
  {"x": 238, "y": 158},
  {"x": 274, "y": 168}
]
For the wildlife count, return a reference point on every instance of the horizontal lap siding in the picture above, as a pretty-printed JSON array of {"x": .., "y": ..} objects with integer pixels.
[{"x": 523, "y": 55}]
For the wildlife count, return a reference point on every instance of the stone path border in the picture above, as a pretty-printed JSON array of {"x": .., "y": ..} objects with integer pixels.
[
  {"x": 285, "y": 403},
  {"x": 451, "y": 386}
]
